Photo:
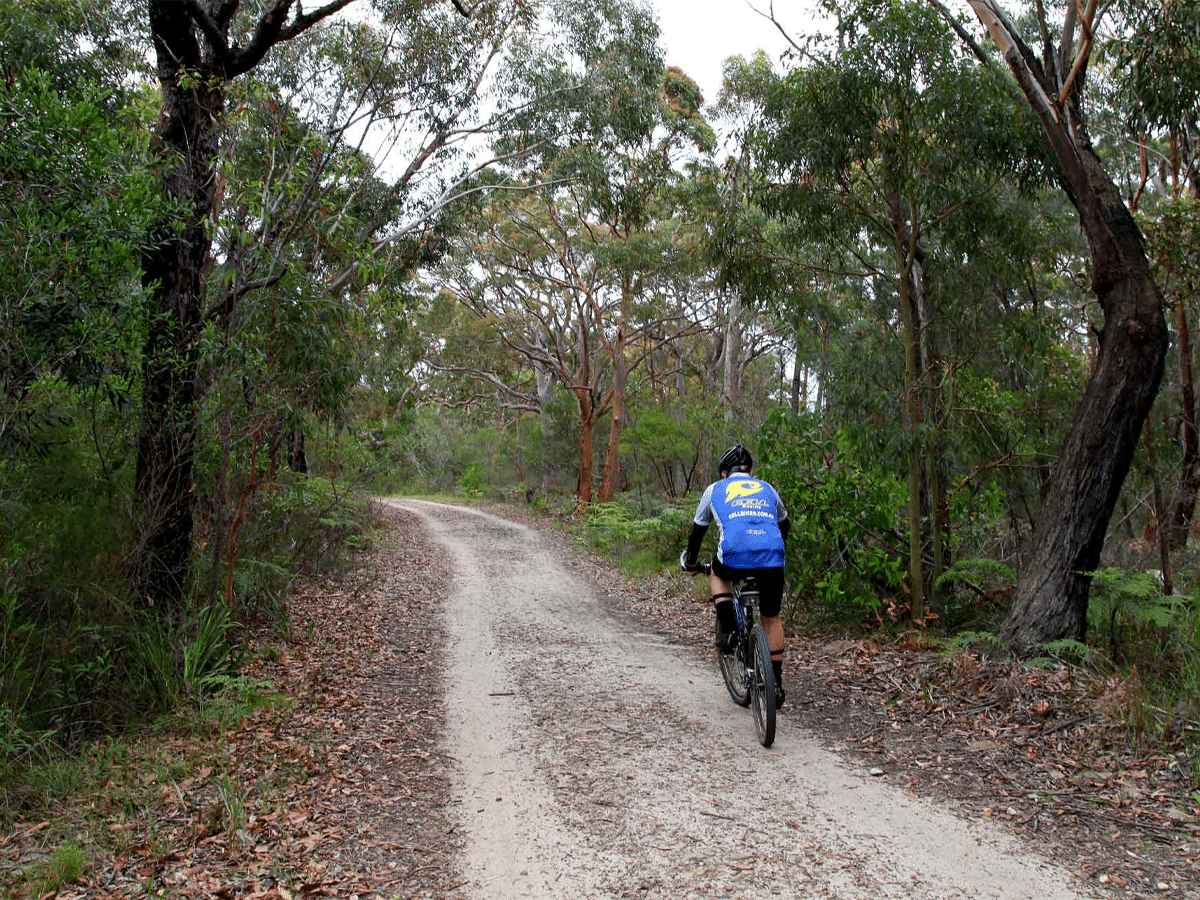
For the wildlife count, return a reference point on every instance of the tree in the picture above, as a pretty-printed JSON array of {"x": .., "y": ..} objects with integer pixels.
[
  {"x": 1052, "y": 591},
  {"x": 1153, "y": 59},
  {"x": 537, "y": 273},
  {"x": 201, "y": 47},
  {"x": 618, "y": 134},
  {"x": 872, "y": 151}
]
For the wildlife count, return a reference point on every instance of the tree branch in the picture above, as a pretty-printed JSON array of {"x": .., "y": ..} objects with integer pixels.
[
  {"x": 273, "y": 28},
  {"x": 963, "y": 34},
  {"x": 770, "y": 17},
  {"x": 213, "y": 31},
  {"x": 1085, "y": 49},
  {"x": 225, "y": 307}
]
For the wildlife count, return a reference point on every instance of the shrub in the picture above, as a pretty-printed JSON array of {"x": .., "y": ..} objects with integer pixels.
[
  {"x": 645, "y": 539},
  {"x": 844, "y": 555}
]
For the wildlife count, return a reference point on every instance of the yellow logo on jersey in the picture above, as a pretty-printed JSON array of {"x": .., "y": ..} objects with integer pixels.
[{"x": 743, "y": 487}]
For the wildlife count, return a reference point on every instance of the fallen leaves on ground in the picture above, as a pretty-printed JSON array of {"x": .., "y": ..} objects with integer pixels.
[
  {"x": 337, "y": 791},
  {"x": 342, "y": 791}
]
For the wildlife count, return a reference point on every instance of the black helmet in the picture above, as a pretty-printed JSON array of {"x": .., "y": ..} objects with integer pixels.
[{"x": 735, "y": 456}]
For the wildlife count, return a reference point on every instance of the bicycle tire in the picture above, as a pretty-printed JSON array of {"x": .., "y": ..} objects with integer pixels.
[
  {"x": 763, "y": 688},
  {"x": 733, "y": 670}
]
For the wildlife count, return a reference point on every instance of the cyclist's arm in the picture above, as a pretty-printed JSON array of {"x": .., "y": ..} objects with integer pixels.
[
  {"x": 695, "y": 539},
  {"x": 785, "y": 521},
  {"x": 700, "y": 523}
]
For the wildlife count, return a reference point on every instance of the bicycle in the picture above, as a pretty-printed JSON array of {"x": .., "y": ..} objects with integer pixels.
[{"x": 746, "y": 669}]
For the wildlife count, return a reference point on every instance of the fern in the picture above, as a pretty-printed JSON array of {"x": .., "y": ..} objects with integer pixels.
[
  {"x": 1065, "y": 648},
  {"x": 967, "y": 639},
  {"x": 978, "y": 569},
  {"x": 1162, "y": 611}
]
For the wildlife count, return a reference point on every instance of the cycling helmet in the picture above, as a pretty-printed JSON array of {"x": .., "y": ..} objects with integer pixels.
[{"x": 735, "y": 456}]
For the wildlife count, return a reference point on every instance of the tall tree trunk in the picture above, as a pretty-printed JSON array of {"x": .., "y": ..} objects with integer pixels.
[
  {"x": 912, "y": 406},
  {"x": 910, "y": 319},
  {"x": 545, "y": 391},
  {"x": 1052, "y": 590},
  {"x": 612, "y": 454},
  {"x": 174, "y": 264},
  {"x": 1179, "y": 519},
  {"x": 798, "y": 374},
  {"x": 587, "y": 422},
  {"x": 1183, "y": 507},
  {"x": 1160, "y": 513},
  {"x": 933, "y": 407},
  {"x": 733, "y": 355},
  {"x": 195, "y": 63}
]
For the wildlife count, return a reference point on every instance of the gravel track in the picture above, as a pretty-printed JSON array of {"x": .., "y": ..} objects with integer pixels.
[{"x": 592, "y": 759}]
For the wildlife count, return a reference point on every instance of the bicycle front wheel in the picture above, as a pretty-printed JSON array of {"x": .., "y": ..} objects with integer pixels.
[
  {"x": 762, "y": 688},
  {"x": 734, "y": 670}
]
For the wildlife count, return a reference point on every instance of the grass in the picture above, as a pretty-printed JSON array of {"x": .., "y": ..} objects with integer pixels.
[
  {"x": 64, "y": 866},
  {"x": 107, "y": 797}
]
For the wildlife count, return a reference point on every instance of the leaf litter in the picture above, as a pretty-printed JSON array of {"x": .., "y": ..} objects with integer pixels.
[{"x": 342, "y": 791}]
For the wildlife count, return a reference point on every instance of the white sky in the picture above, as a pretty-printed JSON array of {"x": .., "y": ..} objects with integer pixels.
[{"x": 699, "y": 35}]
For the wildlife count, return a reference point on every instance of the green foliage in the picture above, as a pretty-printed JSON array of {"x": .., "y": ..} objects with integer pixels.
[
  {"x": 64, "y": 866},
  {"x": 1126, "y": 606},
  {"x": 1157, "y": 58},
  {"x": 984, "y": 577},
  {"x": 75, "y": 202},
  {"x": 473, "y": 481},
  {"x": 642, "y": 537},
  {"x": 663, "y": 445},
  {"x": 210, "y": 653},
  {"x": 965, "y": 640},
  {"x": 175, "y": 662},
  {"x": 844, "y": 555}
]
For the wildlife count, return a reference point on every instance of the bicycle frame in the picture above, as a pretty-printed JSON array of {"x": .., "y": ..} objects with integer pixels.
[
  {"x": 747, "y": 671},
  {"x": 745, "y": 606}
]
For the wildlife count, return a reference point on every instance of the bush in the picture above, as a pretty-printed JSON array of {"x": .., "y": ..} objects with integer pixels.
[
  {"x": 844, "y": 554},
  {"x": 641, "y": 540}
]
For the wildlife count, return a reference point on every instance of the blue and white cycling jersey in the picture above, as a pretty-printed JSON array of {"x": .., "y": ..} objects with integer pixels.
[{"x": 748, "y": 512}]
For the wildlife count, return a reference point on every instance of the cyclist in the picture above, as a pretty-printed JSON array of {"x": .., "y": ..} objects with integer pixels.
[{"x": 753, "y": 527}]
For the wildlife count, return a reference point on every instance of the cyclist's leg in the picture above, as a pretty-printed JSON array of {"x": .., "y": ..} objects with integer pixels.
[
  {"x": 770, "y": 586},
  {"x": 722, "y": 598}
]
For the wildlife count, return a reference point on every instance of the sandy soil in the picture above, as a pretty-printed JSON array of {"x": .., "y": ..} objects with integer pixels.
[{"x": 591, "y": 758}]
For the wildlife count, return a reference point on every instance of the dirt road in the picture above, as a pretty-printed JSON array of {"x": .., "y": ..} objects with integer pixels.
[{"x": 594, "y": 760}]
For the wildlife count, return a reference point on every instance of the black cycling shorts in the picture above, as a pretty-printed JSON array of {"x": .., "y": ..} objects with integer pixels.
[{"x": 770, "y": 585}]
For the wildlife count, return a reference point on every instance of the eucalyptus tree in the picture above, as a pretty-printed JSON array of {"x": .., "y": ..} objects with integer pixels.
[
  {"x": 1052, "y": 590},
  {"x": 622, "y": 128},
  {"x": 202, "y": 49},
  {"x": 1150, "y": 58},
  {"x": 870, "y": 152},
  {"x": 525, "y": 270}
]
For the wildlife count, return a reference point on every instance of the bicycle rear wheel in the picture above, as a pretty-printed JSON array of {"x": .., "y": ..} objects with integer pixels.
[
  {"x": 763, "y": 688},
  {"x": 733, "y": 670}
]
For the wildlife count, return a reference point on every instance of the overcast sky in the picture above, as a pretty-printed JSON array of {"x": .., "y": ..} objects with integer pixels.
[{"x": 699, "y": 35}]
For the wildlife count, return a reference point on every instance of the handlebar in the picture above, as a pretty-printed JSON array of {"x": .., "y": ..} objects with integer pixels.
[{"x": 697, "y": 568}]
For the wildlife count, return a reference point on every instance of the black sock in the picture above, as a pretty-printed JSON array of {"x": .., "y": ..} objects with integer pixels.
[
  {"x": 726, "y": 619},
  {"x": 777, "y": 666}
]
